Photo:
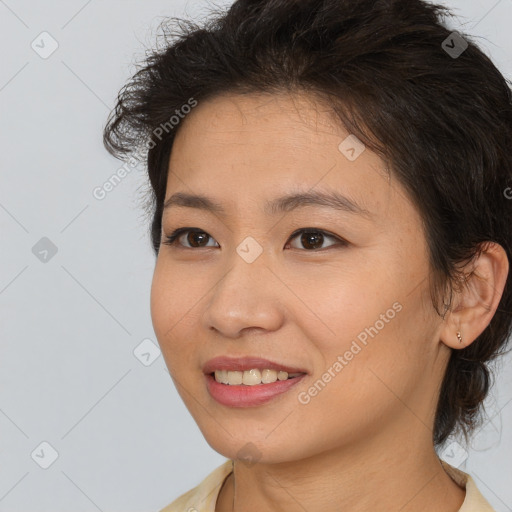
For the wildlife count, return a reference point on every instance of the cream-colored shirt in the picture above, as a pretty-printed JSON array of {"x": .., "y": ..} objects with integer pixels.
[{"x": 203, "y": 498}]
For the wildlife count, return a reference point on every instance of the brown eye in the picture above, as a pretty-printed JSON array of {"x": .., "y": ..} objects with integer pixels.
[
  {"x": 312, "y": 239},
  {"x": 195, "y": 237}
]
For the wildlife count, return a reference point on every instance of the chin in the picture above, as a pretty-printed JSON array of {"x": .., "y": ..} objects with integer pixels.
[{"x": 255, "y": 448}]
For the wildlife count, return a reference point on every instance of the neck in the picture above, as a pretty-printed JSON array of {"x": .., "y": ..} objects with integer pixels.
[{"x": 402, "y": 473}]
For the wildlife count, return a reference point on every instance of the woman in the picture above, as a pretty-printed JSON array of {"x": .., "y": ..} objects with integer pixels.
[{"x": 333, "y": 234}]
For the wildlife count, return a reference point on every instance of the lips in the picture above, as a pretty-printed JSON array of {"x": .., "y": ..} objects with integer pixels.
[{"x": 247, "y": 363}]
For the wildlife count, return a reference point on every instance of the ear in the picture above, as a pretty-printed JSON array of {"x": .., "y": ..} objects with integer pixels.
[{"x": 475, "y": 303}]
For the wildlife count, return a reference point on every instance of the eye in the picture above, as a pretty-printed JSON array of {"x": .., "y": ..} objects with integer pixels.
[
  {"x": 311, "y": 238},
  {"x": 314, "y": 238},
  {"x": 195, "y": 236}
]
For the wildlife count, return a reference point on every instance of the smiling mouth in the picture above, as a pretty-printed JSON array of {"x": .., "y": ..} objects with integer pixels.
[{"x": 252, "y": 377}]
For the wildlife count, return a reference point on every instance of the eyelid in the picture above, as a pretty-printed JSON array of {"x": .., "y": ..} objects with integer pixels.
[
  {"x": 327, "y": 234},
  {"x": 174, "y": 236}
]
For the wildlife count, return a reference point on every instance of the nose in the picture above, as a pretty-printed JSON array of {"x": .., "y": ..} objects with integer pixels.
[{"x": 248, "y": 297}]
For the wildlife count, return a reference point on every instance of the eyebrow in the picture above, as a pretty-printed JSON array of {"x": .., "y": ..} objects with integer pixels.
[{"x": 330, "y": 199}]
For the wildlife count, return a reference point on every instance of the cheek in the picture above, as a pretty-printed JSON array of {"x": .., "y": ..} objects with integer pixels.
[
  {"x": 383, "y": 363},
  {"x": 172, "y": 313},
  {"x": 373, "y": 339},
  {"x": 174, "y": 298},
  {"x": 347, "y": 308},
  {"x": 361, "y": 385},
  {"x": 160, "y": 303}
]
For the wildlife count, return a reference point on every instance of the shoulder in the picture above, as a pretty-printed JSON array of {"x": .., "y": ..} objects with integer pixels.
[
  {"x": 203, "y": 497},
  {"x": 474, "y": 501}
]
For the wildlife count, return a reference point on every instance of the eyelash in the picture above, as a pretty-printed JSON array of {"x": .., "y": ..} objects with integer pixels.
[{"x": 174, "y": 236}]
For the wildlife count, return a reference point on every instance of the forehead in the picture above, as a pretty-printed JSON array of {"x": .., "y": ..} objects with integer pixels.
[
  {"x": 248, "y": 147},
  {"x": 239, "y": 116},
  {"x": 287, "y": 136}
]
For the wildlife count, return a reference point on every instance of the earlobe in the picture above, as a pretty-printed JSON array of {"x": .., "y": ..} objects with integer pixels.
[{"x": 478, "y": 298}]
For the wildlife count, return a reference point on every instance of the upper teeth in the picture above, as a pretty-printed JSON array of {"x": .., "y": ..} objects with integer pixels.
[{"x": 251, "y": 377}]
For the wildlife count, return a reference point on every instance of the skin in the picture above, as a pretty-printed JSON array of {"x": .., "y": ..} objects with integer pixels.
[{"x": 365, "y": 441}]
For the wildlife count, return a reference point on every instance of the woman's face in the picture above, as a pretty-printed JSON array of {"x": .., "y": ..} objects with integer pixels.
[{"x": 347, "y": 304}]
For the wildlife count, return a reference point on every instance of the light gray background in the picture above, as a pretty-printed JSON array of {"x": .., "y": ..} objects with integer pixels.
[{"x": 70, "y": 325}]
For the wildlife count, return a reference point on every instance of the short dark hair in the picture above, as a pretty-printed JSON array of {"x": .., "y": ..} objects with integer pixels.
[{"x": 442, "y": 123}]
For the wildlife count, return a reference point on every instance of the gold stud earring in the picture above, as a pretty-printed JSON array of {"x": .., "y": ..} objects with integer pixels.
[{"x": 459, "y": 336}]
